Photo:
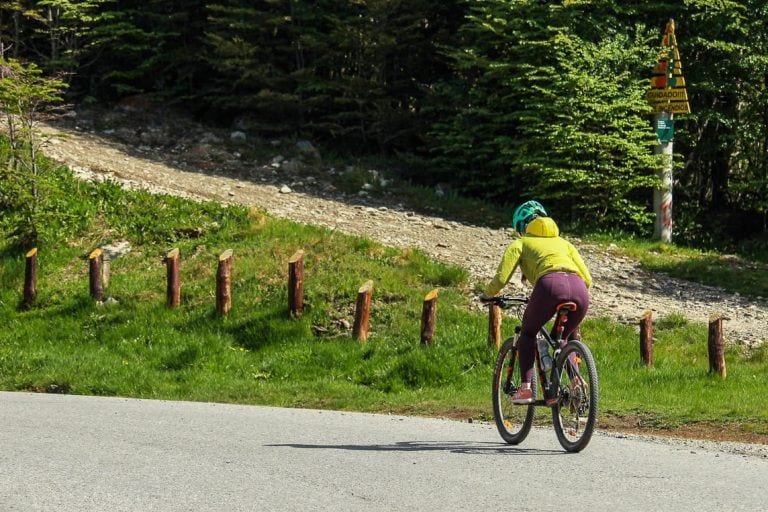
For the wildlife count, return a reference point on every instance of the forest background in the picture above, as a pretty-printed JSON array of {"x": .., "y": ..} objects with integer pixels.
[{"x": 499, "y": 99}]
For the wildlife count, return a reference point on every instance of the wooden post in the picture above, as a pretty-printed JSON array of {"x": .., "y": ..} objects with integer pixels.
[
  {"x": 363, "y": 311},
  {"x": 172, "y": 278},
  {"x": 106, "y": 270},
  {"x": 296, "y": 284},
  {"x": 428, "y": 314},
  {"x": 223, "y": 283},
  {"x": 97, "y": 287},
  {"x": 494, "y": 326},
  {"x": 30, "y": 279},
  {"x": 646, "y": 338},
  {"x": 716, "y": 346}
]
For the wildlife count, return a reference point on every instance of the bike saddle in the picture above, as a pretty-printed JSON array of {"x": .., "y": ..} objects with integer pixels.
[{"x": 570, "y": 306}]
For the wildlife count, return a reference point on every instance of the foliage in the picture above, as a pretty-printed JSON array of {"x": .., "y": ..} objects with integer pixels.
[
  {"x": 720, "y": 193},
  {"x": 564, "y": 122},
  {"x": 347, "y": 72},
  {"x": 500, "y": 99},
  {"x": 146, "y": 47},
  {"x": 58, "y": 31},
  {"x": 23, "y": 180}
]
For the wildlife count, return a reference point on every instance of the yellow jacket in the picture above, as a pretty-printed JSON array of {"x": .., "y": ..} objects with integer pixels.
[{"x": 539, "y": 252}]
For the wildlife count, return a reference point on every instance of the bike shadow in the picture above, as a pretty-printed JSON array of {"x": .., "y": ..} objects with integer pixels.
[{"x": 458, "y": 447}]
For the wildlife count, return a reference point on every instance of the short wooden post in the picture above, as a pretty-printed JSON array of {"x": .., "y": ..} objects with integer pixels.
[
  {"x": 428, "y": 314},
  {"x": 30, "y": 279},
  {"x": 95, "y": 278},
  {"x": 363, "y": 311},
  {"x": 716, "y": 345},
  {"x": 172, "y": 278},
  {"x": 223, "y": 283},
  {"x": 106, "y": 268},
  {"x": 646, "y": 338},
  {"x": 296, "y": 284},
  {"x": 494, "y": 326}
]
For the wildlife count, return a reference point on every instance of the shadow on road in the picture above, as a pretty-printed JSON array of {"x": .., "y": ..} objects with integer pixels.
[{"x": 426, "y": 446}]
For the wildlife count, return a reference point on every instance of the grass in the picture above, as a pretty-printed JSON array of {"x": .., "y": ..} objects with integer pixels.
[
  {"x": 137, "y": 347},
  {"x": 727, "y": 271},
  {"x": 678, "y": 389}
]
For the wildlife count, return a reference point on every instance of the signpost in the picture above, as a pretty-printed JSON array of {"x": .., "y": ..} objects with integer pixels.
[
  {"x": 667, "y": 96},
  {"x": 665, "y": 129}
]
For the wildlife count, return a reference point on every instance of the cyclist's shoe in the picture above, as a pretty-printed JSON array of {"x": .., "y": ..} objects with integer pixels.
[
  {"x": 552, "y": 397},
  {"x": 523, "y": 396}
]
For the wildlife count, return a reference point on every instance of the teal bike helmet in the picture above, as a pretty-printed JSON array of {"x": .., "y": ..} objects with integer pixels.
[{"x": 525, "y": 213}]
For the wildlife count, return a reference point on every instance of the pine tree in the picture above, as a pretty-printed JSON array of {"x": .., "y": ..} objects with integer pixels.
[
  {"x": 550, "y": 107},
  {"x": 24, "y": 92}
]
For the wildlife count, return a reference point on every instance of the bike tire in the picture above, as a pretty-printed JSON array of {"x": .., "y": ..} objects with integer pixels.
[
  {"x": 575, "y": 414},
  {"x": 513, "y": 421}
]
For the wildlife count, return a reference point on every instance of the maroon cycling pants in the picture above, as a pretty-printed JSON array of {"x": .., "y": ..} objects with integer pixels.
[{"x": 550, "y": 290}]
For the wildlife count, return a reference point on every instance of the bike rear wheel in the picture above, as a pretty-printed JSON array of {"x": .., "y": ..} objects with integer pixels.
[
  {"x": 575, "y": 414},
  {"x": 513, "y": 421}
]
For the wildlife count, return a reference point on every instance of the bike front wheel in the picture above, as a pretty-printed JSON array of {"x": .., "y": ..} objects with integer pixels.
[
  {"x": 575, "y": 414},
  {"x": 513, "y": 421}
]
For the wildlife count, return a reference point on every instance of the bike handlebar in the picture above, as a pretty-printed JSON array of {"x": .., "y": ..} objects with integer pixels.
[{"x": 505, "y": 301}]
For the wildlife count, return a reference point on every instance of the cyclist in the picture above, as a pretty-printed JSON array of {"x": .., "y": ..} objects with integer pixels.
[{"x": 558, "y": 274}]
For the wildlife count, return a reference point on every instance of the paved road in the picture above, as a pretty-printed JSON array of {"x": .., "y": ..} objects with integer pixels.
[{"x": 70, "y": 453}]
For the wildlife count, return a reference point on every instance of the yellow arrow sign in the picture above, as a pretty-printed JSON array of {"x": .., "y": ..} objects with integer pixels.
[
  {"x": 668, "y": 93},
  {"x": 678, "y": 107},
  {"x": 661, "y": 95}
]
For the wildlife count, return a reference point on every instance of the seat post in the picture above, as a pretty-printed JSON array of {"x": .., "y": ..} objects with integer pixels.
[{"x": 563, "y": 309}]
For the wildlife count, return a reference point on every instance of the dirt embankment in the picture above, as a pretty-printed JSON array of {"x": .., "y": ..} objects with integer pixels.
[{"x": 183, "y": 158}]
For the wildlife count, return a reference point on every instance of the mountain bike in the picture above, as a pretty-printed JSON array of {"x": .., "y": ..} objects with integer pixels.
[{"x": 570, "y": 387}]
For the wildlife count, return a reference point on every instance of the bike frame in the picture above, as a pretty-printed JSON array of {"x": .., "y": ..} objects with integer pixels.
[{"x": 556, "y": 342}]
